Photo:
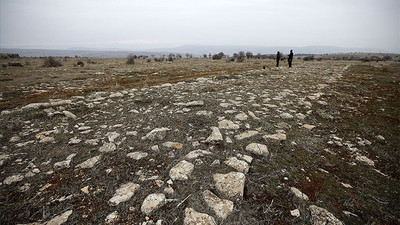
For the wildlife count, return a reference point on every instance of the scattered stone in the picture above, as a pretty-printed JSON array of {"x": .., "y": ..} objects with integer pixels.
[
  {"x": 246, "y": 134},
  {"x": 152, "y": 202},
  {"x": 157, "y": 134},
  {"x": 222, "y": 207},
  {"x": 215, "y": 163},
  {"x": 252, "y": 115},
  {"x": 124, "y": 193},
  {"x": 258, "y": 149},
  {"x": 169, "y": 190},
  {"x": 215, "y": 135},
  {"x": 24, "y": 187},
  {"x": 295, "y": 213},
  {"x": 241, "y": 116},
  {"x": 175, "y": 145},
  {"x": 85, "y": 189},
  {"x": 230, "y": 184},
  {"x": 227, "y": 124},
  {"x": 108, "y": 147},
  {"x": 69, "y": 114},
  {"x": 308, "y": 126},
  {"x": 59, "y": 219},
  {"x": 380, "y": 138},
  {"x": 197, "y": 153},
  {"x": 275, "y": 137},
  {"x": 181, "y": 171},
  {"x": 137, "y": 155},
  {"x": 237, "y": 164},
  {"x": 112, "y": 218},
  {"x": 321, "y": 216},
  {"x": 347, "y": 213},
  {"x": 131, "y": 133},
  {"x": 93, "y": 142},
  {"x": 192, "y": 217},
  {"x": 15, "y": 139},
  {"x": 65, "y": 163},
  {"x": 346, "y": 185},
  {"x": 194, "y": 103},
  {"x": 365, "y": 159},
  {"x": 112, "y": 136},
  {"x": 299, "y": 194},
  {"x": 286, "y": 116},
  {"x": 300, "y": 116},
  {"x": 89, "y": 163},
  {"x": 283, "y": 125},
  {"x": 74, "y": 141},
  {"x": 14, "y": 178}
]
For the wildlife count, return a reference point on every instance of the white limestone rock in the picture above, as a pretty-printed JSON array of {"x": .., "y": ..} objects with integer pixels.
[
  {"x": 181, "y": 171},
  {"x": 197, "y": 153},
  {"x": 124, "y": 193},
  {"x": 108, "y": 147},
  {"x": 153, "y": 202},
  {"x": 215, "y": 135},
  {"x": 299, "y": 194},
  {"x": 222, "y": 207},
  {"x": 239, "y": 165},
  {"x": 137, "y": 155},
  {"x": 157, "y": 134},
  {"x": 12, "y": 179},
  {"x": 227, "y": 124},
  {"x": 192, "y": 217},
  {"x": 246, "y": 134},
  {"x": 258, "y": 149},
  {"x": 230, "y": 184},
  {"x": 89, "y": 163},
  {"x": 321, "y": 216}
]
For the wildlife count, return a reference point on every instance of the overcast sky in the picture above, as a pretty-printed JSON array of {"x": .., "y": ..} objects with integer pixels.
[{"x": 144, "y": 24}]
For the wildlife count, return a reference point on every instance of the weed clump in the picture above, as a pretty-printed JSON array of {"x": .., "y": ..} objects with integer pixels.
[
  {"x": 131, "y": 59},
  {"x": 51, "y": 62}
]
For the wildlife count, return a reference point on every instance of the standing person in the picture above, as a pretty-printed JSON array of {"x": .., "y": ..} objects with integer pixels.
[
  {"x": 290, "y": 59},
  {"x": 278, "y": 58}
]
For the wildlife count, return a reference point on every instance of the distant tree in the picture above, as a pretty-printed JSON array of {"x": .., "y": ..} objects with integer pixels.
[
  {"x": 178, "y": 56},
  {"x": 218, "y": 56},
  {"x": 131, "y": 59},
  {"x": 204, "y": 55},
  {"x": 240, "y": 57},
  {"x": 249, "y": 55},
  {"x": 171, "y": 57}
]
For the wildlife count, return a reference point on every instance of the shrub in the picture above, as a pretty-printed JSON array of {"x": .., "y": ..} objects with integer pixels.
[
  {"x": 240, "y": 57},
  {"x": 131, "y": 59},
  {"x": 308, "y": 58},
  {"x": 51, "y": 62},
  {"x": 218, "y": 56}
]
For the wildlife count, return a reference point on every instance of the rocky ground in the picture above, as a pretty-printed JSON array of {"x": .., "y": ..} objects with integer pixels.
[{"x": 314, "y": 144}]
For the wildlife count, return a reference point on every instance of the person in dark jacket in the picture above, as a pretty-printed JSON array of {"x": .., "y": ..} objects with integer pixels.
[
  {"x": 278, "y": 58},
  {"x": 290, "y": 59}
]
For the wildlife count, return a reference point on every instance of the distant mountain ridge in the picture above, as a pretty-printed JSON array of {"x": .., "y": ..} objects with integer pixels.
[{"x": 195, "y": 50}]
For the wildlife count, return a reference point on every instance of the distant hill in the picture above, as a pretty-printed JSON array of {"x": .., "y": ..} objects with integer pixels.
[
  {"x": 206, "y": 49},
  {"x": 77, "y": 52},
  {"x": 195, "y": 50}
]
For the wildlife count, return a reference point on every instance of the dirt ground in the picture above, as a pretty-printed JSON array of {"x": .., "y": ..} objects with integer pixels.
[{"x": 331, "y": 128}]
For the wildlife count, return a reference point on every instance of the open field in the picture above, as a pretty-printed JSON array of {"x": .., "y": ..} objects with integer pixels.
[{"x": 311, "y": 144}]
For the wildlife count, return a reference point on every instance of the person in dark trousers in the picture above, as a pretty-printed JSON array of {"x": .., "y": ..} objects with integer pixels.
[
  {"x": 290, "y": 59},
  {"x": 278, "y": 58}
]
